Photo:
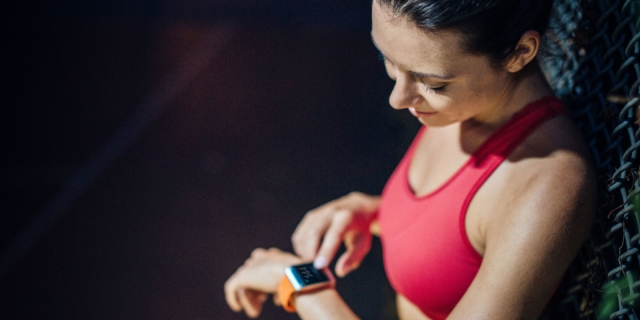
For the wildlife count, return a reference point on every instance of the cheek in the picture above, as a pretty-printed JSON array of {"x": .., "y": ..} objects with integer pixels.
[
  {"x": 489, "y": 85},
  {"x": 456, "y": 105},
  {"x": 441, "y": 102},
  {"x": 471, "y": 95}
]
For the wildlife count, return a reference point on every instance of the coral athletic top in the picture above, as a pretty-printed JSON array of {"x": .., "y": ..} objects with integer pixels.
[{"x": 427, "y": 254}]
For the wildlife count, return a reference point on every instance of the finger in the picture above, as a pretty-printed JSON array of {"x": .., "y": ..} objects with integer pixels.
[
  {"x": 307, "y": 236},
  {"x": 255, "y": 257},
  {"x": 251, "y": 307},
  {"x": 257, "y": 299},
  {"x": 230, "y": 295},
  {"x": 332, "y": 238},
  {"x": 276, "y": 300},
  {"x": 259, "y": 296},
  {"x": 257, "y": 252},
  {"x": 358, "y": 245}
]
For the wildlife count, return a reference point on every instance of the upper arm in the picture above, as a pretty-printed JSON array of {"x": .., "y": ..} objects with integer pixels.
[{"x": 529, "y": 247}]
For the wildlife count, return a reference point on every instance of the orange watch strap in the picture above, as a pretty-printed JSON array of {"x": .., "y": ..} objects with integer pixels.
[{"x": 285, "y": 292}]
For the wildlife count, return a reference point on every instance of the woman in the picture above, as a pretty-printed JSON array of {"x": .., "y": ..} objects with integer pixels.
[{"x": 493, "y": 198}]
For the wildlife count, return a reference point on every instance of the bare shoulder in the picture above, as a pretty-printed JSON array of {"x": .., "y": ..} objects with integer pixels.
[
  {"x": 551, "y": 181},
  {"x": 556, "y": 154}
]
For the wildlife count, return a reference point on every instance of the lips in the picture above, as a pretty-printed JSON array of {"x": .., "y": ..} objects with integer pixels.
[{"x": 420, "y": 114}]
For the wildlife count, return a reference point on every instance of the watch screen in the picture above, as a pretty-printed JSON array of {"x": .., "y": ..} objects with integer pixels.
[{"x": 308, "y": 275}]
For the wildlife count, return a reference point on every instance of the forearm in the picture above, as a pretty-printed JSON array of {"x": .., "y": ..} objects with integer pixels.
[{"x": 322, "y": 305}]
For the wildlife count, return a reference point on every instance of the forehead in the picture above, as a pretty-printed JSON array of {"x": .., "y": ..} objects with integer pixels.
[{"x": 403, "y": 42}]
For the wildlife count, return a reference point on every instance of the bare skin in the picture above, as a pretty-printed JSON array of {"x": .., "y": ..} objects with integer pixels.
[{"x": 529, "y": 218}]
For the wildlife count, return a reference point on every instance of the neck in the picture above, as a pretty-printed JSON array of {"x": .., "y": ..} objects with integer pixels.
[{"x": 525, "y": 87}]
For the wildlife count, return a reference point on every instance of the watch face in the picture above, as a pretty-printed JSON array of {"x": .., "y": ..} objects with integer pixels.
[{"x": 307, "y": 275}]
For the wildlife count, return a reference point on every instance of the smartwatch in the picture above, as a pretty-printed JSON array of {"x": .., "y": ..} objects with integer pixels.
[{"x": 300, "y": 279}]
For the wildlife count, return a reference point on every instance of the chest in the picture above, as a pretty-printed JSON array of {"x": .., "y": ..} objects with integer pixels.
[
  {"x": 433, "y": 216},
  {"x": 437, "y": 165},
  {"x": 436, "y": 159}
]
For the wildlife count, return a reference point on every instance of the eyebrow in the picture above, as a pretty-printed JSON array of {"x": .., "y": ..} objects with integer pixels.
[
  {"x": 417, "y": 74},
  {"x": 431, "y": 75}
]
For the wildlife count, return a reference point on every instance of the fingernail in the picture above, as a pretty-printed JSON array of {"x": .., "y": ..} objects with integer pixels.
[{"x": 320, "y": 263}]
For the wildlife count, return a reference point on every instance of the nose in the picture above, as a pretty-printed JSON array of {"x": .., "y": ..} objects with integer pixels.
[{"x": 405, "y": 92}]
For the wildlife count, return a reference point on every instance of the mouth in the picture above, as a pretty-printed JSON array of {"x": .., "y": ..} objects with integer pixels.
[{"x": 420, "y": 114}]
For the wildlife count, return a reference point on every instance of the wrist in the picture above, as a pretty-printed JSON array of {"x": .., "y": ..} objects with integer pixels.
[
  {"x": 309, "y": 300},
  {"x": 324, "y": 304},
  {"x": 300, "y": 280},
  {"x": 289, "y": 261}
]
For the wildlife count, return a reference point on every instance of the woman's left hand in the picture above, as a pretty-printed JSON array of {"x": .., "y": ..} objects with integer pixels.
[{"x": 248, "y": 288}]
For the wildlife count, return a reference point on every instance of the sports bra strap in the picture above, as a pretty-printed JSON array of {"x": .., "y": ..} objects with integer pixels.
[{"x": 517, "y": 129}]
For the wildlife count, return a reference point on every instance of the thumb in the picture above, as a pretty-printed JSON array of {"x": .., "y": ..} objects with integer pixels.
[{"x": 358, "y": 245}]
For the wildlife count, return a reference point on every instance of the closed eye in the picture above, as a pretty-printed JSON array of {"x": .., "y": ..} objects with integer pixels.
[{"x": 436, "y": 89}]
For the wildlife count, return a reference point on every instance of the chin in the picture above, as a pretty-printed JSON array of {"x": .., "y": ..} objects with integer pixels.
[{"x": 434, "y": 122}]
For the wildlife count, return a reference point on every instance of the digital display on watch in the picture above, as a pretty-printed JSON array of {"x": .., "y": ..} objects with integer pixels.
[{"x": 307, "y": 274}]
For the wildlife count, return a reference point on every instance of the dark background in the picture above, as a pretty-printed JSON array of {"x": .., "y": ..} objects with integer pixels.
[{"x": 148, "y": 146}]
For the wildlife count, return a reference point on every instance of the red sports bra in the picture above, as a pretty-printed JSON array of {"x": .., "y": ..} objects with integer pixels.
[{"x": 427, "y": 254}]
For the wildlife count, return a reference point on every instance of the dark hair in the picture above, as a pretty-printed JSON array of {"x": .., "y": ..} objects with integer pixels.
[{"x": 490, "y": 27}]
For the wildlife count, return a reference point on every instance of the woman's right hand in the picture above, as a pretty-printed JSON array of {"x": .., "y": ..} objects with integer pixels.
[{"x": 345, "y": 219}]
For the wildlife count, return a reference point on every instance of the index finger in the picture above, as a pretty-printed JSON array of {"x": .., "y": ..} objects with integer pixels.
[
  {"x": 230, "y": 295},
  {"x": 333, "y": 238},
  {"x": 308, "y": 234}
]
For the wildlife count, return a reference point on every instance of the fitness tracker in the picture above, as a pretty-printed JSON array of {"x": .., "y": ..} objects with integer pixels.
[{"x": 300, "y": 279}]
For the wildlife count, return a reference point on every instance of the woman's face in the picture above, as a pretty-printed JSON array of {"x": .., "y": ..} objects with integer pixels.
[{"x": 435, "y": 78}]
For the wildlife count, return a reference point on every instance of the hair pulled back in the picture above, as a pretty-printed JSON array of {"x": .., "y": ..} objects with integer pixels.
[{"x": 490, "y": 27}]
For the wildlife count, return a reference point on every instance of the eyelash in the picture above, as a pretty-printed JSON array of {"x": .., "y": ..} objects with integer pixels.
[
  {"x": 428, "y": 88},
  {"x": 439, "y": 89}
]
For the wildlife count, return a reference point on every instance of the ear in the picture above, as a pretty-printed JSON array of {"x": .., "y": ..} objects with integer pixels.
[{"x": 526, "y": 50}]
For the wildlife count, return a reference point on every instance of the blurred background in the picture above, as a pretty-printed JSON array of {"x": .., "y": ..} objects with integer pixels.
[{"x": 149, "y": 145}]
